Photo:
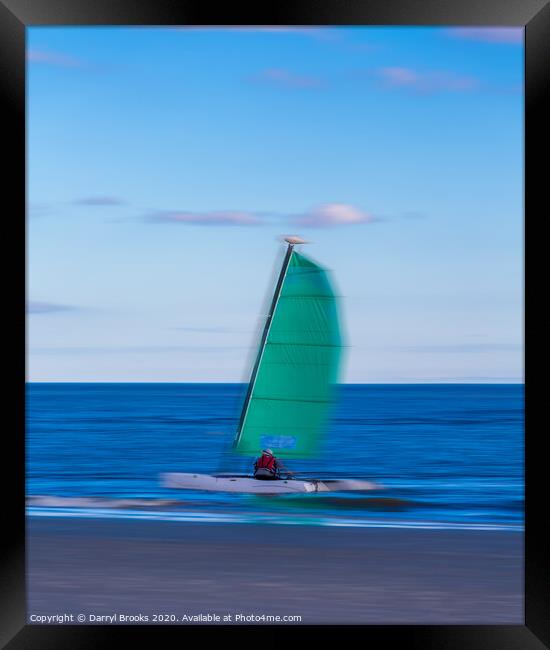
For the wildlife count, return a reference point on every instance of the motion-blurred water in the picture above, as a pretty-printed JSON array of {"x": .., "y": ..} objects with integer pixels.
[{"x": 447, "y": 455}]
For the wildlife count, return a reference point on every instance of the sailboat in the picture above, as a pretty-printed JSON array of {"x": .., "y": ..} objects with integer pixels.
[{"x": 290, "y": 393}]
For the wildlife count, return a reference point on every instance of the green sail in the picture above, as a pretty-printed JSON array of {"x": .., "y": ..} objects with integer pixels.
[{"x": 291, "y": 389}]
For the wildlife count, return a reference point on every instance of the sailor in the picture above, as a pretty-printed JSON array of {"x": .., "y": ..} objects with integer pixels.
[{"x": 267, "y": 467}]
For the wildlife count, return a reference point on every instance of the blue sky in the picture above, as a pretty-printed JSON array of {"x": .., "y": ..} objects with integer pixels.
[{"x": 165, "y": 163}]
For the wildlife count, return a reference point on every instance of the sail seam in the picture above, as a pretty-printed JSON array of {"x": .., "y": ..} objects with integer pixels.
[
  {"x": 307, "y": 296},
  {"x": 308, "y": 345},
  {"x": 285, "y": 399}
]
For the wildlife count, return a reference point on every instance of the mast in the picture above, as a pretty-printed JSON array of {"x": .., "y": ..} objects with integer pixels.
[{"x": 291, "y": 241}]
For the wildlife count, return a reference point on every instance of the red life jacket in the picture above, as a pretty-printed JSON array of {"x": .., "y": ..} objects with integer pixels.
[{"x": 266, "y": 462}]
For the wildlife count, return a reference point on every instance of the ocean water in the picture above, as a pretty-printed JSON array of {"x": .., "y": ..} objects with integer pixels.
[{"x": 446, "y": 456}]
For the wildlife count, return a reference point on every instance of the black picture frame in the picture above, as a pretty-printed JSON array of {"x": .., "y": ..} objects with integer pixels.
[{"x": 15, "y": 16}]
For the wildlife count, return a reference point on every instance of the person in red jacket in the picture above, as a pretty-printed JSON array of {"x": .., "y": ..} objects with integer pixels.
[{"x": 267, "y": 467}]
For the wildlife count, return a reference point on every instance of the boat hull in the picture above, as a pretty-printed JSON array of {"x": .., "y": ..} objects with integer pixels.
[{"x": 249, "y": 485}]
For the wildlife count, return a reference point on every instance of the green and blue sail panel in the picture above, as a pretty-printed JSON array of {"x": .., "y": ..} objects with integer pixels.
[{"x": 291, "y": 389}]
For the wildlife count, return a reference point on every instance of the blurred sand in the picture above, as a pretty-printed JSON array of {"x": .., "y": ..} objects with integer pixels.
[{"x": 326, "y": 575}]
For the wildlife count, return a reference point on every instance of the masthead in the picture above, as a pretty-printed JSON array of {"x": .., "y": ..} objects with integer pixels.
[{"x": 293, "y": 239}]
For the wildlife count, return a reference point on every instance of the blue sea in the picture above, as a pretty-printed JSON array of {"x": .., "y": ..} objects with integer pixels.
[{"x": 446, "y": 456}]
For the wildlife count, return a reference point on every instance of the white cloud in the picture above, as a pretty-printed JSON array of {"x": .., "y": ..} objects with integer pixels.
[
  {"x": 221, "y": 218},
  {"x": 37, "y": 307},
  {"x": 334, "y": 214},
  {"x": 287, "y": 78},
  {"x": 425, "y": 82},
  {"x": 100, "y": 200},
  {"x": 510, "y": 35},
  {"x": 54, "y": 58}
]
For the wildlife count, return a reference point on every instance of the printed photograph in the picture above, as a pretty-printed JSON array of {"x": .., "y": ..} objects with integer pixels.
[{"x": 275, "y": 325}]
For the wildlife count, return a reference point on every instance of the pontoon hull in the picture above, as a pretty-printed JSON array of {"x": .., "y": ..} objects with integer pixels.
[{"x": 249, "y": 485}]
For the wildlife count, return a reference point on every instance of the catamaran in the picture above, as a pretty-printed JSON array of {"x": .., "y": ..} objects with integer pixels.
[{"x": 290, "y": 392}]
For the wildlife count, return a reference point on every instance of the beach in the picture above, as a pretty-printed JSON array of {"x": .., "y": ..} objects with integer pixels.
[{"x": 169, "y": 572}]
